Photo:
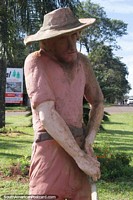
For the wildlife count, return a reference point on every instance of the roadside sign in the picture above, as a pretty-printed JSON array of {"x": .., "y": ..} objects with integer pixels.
[{"x": 14, "y": 86}]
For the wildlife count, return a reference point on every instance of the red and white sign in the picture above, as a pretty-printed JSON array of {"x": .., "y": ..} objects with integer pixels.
[{"x": 14, "y": 86}]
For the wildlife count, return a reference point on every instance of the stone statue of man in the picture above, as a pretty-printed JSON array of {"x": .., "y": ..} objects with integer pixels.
[{"x": 57, "y": 78}]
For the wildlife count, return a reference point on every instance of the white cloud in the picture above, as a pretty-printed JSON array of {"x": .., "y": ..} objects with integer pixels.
[
  {"x": 118, "y": 6},
  {"x": 128, "y": 60},
  {"x": 126, "y": 45},
  {"x": 126, "y": 50},
  {"x": 121, "y": 9}
]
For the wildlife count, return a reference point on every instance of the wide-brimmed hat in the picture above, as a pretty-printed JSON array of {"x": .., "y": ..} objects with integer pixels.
[{"x": 59, "y": 22}]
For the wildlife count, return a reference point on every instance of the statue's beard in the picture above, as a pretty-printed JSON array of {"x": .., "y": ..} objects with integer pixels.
[{"x": 67, "y": 63}]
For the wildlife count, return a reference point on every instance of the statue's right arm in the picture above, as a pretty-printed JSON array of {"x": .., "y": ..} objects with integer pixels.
[{"x": 58, "y": 129}]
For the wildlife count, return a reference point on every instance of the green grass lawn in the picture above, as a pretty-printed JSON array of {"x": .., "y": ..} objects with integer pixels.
[
  {"x": 17, "y": 143},
  {"x": 13, "y": 146},
  {"x": 118, "y": 136}
]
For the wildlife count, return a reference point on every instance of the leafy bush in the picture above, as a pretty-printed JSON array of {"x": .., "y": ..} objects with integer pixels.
[
  {"x": 113, "y": 166},
  {"x": 20, "y": 167},
  {"x": 24, "y": 165}
]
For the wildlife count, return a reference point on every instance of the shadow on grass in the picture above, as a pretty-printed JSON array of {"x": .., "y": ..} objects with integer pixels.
[
  {"x": 119, "y": 132},
  {"x": 9, "y": 131},
  {"x": 7, "y": 145},
  {"x": 7, "y": 123},
  {"x": 120, "y": 146},
  {"x": 12, "y": 150},
  {"x": 13, "y": 144},
  {"x": 111, "y": 123},
  {"x": 120, "y": 140},
  {"x": 19, "y": 125},
  {"x": 10, "y": 155}
]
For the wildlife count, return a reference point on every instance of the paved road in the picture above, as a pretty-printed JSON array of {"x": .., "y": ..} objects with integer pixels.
[
  {"x": 119, "y": 109},
  {"x": 111, "y": 110},
  {"x": 13, "y": 113}
]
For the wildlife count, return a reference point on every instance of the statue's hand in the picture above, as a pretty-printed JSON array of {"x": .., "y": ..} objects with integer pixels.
[
  {"x": 89, "y": 150},
  {"x": 89, "y": 165},
  {"x": 88, "y": 145}
]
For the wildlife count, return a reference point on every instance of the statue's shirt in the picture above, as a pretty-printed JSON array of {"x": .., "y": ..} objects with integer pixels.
[{"x": 46, "y": 80}]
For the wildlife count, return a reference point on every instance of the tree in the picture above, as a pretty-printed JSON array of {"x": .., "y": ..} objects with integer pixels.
[
  {"x": 17, "y": 19},
  {"x": 24, "y": 17},
  {"x": 3, "y": 39},
  {"x": 104, "y": 30},
  {"x": 31, "y": 12},
  {"x": 100, "y": 40},
  {"x": 110, "y": 72},
  {"x": 2, "y": 93}
]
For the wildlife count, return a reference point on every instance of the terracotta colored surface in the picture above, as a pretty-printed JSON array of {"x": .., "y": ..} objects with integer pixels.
[
  {"x": 46, "y": 80},
  {"x": 54, "y": 172}
]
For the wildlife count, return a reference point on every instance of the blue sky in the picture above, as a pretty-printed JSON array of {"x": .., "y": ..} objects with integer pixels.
[{"x": 122, "y": 10}]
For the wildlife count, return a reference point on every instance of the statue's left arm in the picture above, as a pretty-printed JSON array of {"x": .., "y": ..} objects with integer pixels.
[{"x": 94, "y": 96}]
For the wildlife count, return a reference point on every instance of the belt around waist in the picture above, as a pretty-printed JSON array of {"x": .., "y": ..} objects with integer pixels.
[{"x": 42, "y": 136}]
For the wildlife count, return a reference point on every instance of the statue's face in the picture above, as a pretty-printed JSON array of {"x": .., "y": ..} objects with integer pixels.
[{"x": 64, "y": 48}]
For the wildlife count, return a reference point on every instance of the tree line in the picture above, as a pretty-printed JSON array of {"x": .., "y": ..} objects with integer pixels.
[{"x": 19, "y": 18}]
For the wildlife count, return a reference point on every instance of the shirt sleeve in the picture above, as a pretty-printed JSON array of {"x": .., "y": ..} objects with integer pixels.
[
  {"x": 92, "y": 92},
  {"x": 38, "y": 85}
]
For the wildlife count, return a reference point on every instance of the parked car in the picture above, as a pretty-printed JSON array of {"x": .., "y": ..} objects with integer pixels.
[{"x": 130, "y": 101}]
